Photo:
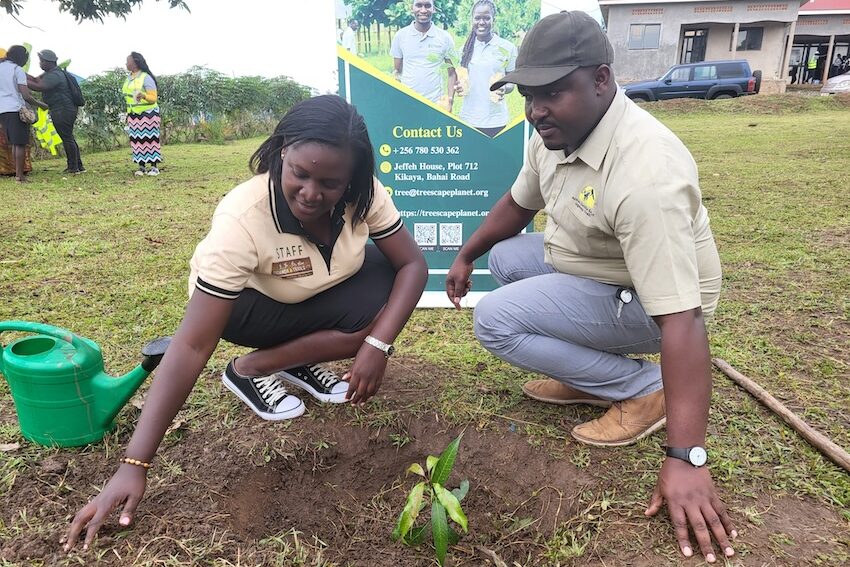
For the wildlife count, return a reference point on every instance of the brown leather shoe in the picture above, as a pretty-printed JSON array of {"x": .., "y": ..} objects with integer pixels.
[
  {"x": 554, "y": 392},
  {"x": 625, "y": 422}
]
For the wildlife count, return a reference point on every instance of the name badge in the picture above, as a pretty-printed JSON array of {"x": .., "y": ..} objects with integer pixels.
[{"x": 297, "y": 268}]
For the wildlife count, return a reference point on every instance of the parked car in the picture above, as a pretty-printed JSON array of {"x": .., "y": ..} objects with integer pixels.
[
  {"x": 837, "y": 84},
  {"x": 706, "y": 79}
]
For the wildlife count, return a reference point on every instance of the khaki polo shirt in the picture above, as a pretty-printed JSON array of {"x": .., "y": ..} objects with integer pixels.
[
  {"x": 256, "y": 242},
  {"x": 625, "y": 209}
]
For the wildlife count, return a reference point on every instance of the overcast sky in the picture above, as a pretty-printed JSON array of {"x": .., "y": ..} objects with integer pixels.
[{"x": 236, "y": 37}]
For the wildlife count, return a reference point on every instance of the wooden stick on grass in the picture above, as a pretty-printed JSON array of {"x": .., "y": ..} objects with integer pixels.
[{"x": 820, "y": 442}]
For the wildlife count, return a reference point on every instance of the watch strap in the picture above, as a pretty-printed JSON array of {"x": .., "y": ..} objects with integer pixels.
[
  {"x": 380, "y": 345},
  {"x": 679, "y": 453}
]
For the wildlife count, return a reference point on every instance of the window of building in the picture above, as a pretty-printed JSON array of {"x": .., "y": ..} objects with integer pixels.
[
  {"x": 644, "y": 36},
  {"x": 749, "y": 39},
  {"x": 705, "y": 72}
]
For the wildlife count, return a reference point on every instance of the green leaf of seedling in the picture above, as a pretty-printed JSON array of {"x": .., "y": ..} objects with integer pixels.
[
  {"x": 417, "y": 536},
  {"x": 430, "y": 462},
  {"x": 454, "y": 537},
  {"x": 410, "y": 512},
  {"x": 443, "y": 468},
  {"x": 416, "y": 468},
  {"x": 452, "y": 506},
  {"x": 461, "y": 491},
  {"x": 440, "y": 531}
]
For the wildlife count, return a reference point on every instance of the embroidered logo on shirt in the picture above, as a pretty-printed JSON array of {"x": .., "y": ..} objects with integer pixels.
[
  {"x": 587, "y": 197},
  {"x": 297, "y": 268},
  {"x": 586, "y": 200}
]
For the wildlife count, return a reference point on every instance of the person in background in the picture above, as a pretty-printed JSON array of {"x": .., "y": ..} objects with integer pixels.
[
  {"x": 812, "y": 67},
  {"x": 487, "y": 57},
  {"x": 53, "y": 84},
  {"x": 835, "y": 66},
  {"x": 288, "y": 269},
  {"x": 349, "y": 36},
  {"x": 13, "y": 94},
  {"x": 419, "y": 52},
  {"x": 143, "y": 119}
]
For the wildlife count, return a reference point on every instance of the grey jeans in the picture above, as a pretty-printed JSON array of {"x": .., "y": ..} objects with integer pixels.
[{"x": 565, "y": 326}]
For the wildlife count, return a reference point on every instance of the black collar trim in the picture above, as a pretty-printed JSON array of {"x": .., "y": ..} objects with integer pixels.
[{"x": 286, "y": 223}]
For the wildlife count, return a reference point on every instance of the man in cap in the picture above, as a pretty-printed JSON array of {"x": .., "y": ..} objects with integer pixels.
[
  {"x": 56, "y": 91},
  {"x": 627, "y": 265}
]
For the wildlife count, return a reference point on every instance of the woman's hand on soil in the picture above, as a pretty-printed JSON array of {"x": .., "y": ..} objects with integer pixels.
[
  {"x": 125, "y": 487},
  {"x": 366, "y": 374}
]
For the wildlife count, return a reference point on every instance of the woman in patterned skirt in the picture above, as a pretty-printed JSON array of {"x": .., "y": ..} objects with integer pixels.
[{"x": 143, "y": 121}]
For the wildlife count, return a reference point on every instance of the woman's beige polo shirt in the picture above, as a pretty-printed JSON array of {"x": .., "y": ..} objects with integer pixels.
[
  {"x": 256, "y": 242},
  {"x": 625, "y": 209}
]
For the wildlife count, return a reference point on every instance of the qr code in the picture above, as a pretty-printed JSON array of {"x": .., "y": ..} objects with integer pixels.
[
  {"x": 425, "y": 234},
  {"x": 451, "y": 234}
]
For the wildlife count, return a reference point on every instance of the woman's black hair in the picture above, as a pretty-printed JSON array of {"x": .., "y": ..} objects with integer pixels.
[
  {"x": 143, "y": 65},
  {"x": 329, "y": 120},
  {"x": 18, "y": 55},
  {"x": 466, "y": 55}
]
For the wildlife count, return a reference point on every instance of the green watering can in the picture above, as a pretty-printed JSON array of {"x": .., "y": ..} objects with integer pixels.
[{"x": 62, "y": 395}]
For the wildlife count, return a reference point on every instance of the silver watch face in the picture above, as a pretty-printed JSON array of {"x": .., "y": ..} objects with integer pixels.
[{"x": 697, "y": 456}]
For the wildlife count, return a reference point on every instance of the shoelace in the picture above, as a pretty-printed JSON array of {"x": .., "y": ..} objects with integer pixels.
[
  {"x": 327, "y": 378},
  {"x": 271, "y": 389}
]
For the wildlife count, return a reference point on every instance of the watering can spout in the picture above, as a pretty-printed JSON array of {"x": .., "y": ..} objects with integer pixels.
[{"x": 115, "y": 391}]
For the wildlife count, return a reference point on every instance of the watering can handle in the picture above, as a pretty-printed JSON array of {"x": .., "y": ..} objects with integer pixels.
[{"x": 49, "y": 330}]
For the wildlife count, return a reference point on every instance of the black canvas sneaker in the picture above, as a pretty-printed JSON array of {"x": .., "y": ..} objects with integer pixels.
[
  {"x": 319, "y": 382},
  {"x": 265, "y": 395}
]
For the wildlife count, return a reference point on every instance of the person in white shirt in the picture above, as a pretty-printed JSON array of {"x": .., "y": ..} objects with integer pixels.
[
  {"x": 13, "y": 95},
  {"x": 486, "y": 57},
  {"x": 349, "y": 36},
  {"x": 419, "y": 52}
]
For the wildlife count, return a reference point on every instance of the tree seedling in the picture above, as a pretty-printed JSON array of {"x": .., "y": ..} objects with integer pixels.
[{"x": 445, "y": 504}]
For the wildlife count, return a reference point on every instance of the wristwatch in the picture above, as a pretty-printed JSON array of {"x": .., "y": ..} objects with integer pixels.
[
  {"x": 693, "y": 455},
  {"x": 388, "y": 350}
]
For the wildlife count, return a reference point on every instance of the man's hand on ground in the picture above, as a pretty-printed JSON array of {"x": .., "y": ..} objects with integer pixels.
[
  {"x": 692, "y": 501},
  {"x": 457, "y": 281}
]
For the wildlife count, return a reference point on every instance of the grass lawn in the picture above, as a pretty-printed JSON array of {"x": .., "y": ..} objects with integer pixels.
[{"x": 106, "y": 254}]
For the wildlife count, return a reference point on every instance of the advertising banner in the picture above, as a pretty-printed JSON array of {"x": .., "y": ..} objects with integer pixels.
[{"x": 446, "y": 147}]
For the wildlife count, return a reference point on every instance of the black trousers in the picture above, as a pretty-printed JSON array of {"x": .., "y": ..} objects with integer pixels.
[
  {"x": 64, "y": 120},
  {"x": 258, "y": 321}
]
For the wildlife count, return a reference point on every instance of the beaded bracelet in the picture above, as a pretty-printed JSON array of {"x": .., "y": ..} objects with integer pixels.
[{"x": 136, "y": 462}]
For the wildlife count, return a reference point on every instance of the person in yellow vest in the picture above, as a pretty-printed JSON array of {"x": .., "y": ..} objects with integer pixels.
[
  {"x": 812, "y": 67},
  {"x": 143, "y": 120}
]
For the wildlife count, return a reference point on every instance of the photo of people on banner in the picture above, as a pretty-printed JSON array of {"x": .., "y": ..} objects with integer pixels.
[{"x": 448, "y": 52}]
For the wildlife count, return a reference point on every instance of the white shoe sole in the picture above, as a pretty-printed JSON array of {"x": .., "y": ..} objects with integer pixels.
[
  {"x": 291, "y": 414},
  {"x": 327, "y": 398},
  {"x": 648, "y": 431}
]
